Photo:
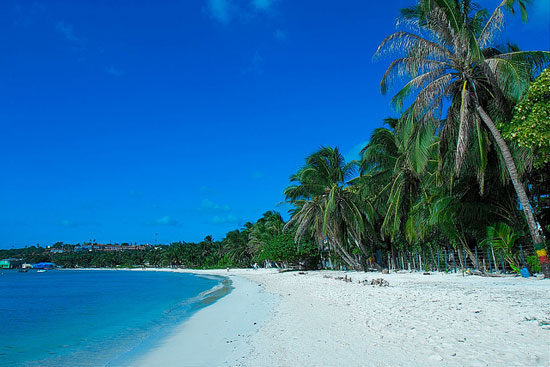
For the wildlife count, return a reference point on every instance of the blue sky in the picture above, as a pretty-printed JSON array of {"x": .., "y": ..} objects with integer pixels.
[{"x": 124, "y": 119}]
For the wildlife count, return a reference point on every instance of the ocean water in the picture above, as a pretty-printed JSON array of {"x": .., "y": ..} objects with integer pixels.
[{"x": 93, "y": 318}]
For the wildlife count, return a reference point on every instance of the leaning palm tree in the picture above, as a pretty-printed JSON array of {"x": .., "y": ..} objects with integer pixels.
[
  {"x": 448, "y": 56},
  {"x": 328, "y": 208},
  {"x": 235, "y": 246},
  {"x": 268, "y": 226},
  {"x": 403, "y": 161}
]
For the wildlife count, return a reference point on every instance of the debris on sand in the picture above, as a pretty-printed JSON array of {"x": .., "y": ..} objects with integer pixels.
[{"x": 380, "y": 282}]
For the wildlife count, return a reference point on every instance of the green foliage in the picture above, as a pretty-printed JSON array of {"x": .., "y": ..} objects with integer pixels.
[
  {"x": 503, "y": 240},
  {"x": 262, "y": 232},
  {"x": 263, "y": 240},
  {"x": 533, "y": 263},
  {"x": 329, "y": 208},
  {"x": 515, "y": 269},
  {"x": 282, "y": 249},
  {"x": 530, "y": 126}
]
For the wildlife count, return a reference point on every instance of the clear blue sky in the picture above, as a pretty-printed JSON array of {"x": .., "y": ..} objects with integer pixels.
[{"x": 124, "y": 119}]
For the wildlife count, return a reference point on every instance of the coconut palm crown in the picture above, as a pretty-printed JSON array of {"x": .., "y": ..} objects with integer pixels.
[
  {"x": 449, "y": 56},
  {"x": 328, "y": 208}
]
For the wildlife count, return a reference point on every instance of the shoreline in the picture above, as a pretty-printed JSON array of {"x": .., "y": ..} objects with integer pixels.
[
  {"x": 169, "y": 344},
  {"x": 219, "y": 333},
  {"x": 200, "y": 301}
]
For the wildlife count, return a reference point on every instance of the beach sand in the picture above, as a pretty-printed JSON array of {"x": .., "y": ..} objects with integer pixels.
[
  {"x": 219, "y": 334},
  {"x": 314, "y": 319}
]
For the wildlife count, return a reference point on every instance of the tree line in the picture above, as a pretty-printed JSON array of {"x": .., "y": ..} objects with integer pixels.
[
  {"x": 465, "y": 164},
  {"x": 265, "y": 242}
]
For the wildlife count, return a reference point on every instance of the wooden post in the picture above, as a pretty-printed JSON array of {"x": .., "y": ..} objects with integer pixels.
[
  {"x": 424, "y": 259},
  {"x": 489, "y": 260},
  {"x": 477, "y": 261},
  {"x": 454, "y": 261},
  {"x": 494, "y": 259}
]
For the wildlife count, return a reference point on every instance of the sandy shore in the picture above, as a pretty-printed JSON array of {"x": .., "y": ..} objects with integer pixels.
[
  {"x": 219, "y": 334},
  {"x": 314, "y": 319}
]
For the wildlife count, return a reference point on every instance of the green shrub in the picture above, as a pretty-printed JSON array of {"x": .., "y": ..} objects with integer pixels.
[{"x": 533, "y": 264}]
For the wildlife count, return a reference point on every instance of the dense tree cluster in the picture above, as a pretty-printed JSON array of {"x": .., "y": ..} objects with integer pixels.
[
  {"x": 441, "y": 175},
  {"x": 264, "y": 242}
]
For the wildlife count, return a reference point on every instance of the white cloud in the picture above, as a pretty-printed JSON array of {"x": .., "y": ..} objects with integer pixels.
[
  {"x": 208, "y": 205},
  {"x": 167, "y": 221},
  {"x": 114, "y": 71},
  {"x": 74, "y": 224},
  {"x": 255, "y": 66},
  {"x": 263, "y": 5},
  {"x": 226, "y": 219},
  {"x": 221, "y": 10},
  {"x": 67, "y": 31},
  {"x": 224, "y": 11},
  {"x": 279, "y": 34}
]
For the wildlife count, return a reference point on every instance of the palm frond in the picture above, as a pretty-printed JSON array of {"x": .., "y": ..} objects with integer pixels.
[
  {"x": 427, "y": 98},
  {"x": 493, "y": 25},
  {"x": 403, "y": 42}
]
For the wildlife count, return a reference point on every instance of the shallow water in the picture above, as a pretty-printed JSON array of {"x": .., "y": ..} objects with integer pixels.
[{"x": 91, "y": 318}]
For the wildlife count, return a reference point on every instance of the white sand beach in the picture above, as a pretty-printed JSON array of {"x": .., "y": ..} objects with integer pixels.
[
  {"x": 219, "y": 334},
  {"x": 314, "y": 319}
]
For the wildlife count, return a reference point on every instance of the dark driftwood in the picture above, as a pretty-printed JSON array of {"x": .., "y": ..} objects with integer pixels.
[
  {"x": 491, "y": 275},
  {"x": 287, "y": 270}
]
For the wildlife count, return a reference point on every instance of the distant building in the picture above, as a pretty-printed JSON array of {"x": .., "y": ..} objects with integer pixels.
[
  {"x": 44, "y": 266},
  {"x": 110, "y": 247},
  {"x": 83, "y": 248},
  {"x": 10, "y": 263}
]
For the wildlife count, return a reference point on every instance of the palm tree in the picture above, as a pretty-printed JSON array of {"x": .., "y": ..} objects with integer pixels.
[
  {"x": 402, "y": 161},
  {"x": 327, "y": 207},
  {"x": 503, "y": 238},
  {"x": 173, "y": 254},
  {"x": 235, "y": 245},
  {"x": 450, "y": 57},
  {"x": 269, "y": 225}
]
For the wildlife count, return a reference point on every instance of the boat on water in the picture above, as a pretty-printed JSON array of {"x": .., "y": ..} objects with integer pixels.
[
  {"x": 41, "y": 271},
  {"x": 44, "y": 266}
]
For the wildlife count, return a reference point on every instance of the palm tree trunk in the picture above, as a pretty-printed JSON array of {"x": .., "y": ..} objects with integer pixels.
[
  {"x": 520, "y": 191},
  {"x": 348, "y": 259}
]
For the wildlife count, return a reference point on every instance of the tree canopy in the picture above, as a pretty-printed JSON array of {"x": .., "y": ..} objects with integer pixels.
[{"x": 530, "y": 126}]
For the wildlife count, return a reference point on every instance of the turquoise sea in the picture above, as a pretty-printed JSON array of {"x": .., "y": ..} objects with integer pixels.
[{"x": 93, "y": 318}]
